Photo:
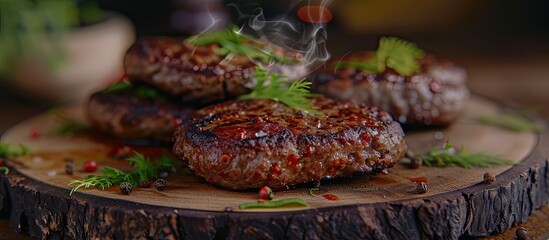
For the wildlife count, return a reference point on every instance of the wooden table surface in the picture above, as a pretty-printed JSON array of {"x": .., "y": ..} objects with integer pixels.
[{"x": 517, "y": 78}]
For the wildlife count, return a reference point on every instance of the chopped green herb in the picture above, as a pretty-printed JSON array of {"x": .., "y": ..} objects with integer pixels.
[
  {"x": 286, "y": 202},
  {"x": 450, "y": 156},
  {"x": 311, "y": 191},
  {"x": 232, "y": 41},
  {"x": 144, "y": 169},
  {"x": 143, "y": 91},
  {"x": 271, "y": 86},
  {"x": 67, "y": 125},
  {"x": 6, "y": 170},
  {"x": 11, "y": 151},
  {"x": 397, "y": 54}
]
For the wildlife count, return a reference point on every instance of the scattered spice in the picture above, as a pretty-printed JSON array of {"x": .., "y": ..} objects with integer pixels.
[
  {"x": 415, "y": 162},
  {"x": 489, "y": 178},
  {"x": 331, "y": 197},
  {"x": 34, "y": 134},
  {"x": 286, "y": 202},
  {"x": 160, "y": 184},
  {"x": 120, "y": 152},
  {"x": 266, "y": 193},
  {"x": 422, "y": 188},
  {"x": 69, "y": 167},
  {"x": 90, "y": 166},
  {"x": 316, "y": 183},
  {"x": 125, "y": 188},
  {"x": 521, "y": 233},
  {"x": 145, "y": 184}
]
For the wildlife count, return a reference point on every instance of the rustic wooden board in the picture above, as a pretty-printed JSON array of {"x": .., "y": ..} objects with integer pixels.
[{"x": 35, "y": 196}]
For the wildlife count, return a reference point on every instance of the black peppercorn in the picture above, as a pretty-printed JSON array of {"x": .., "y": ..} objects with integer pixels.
[
  {"x": 521, "y": 233},
  {"x": 160, "y": 184},
  {"x": 415, "y": 162},
  {"x": 145, "y": 184},
  {"x": 316, "y": 183},
  {"x": 421, "y": 188},
  {"x": 489, "y": 178},
  {"x": 69, "y": 167},
  {"x": 125, "y": 188}
]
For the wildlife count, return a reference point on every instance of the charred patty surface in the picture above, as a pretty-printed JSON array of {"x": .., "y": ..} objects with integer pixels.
[
  {"x": 197, "y": 73},
  {"x": 132, "y": 115},
  {"x": 248, "y": 144},
  {"x": 434, "y": 96}
]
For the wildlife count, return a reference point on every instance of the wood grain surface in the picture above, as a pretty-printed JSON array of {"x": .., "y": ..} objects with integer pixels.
[{"x": 384, "y": 206}]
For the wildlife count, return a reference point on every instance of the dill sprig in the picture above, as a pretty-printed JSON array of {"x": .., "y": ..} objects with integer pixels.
[
  {"x": 67, "y": 126},
  {"x": 10, "y": 151},
  {"x": 272, "y": 86},
  {"x": 450, "y": 156},
  {"x": 232, "y": 41},
  {"x": 394, "y": 53},
  {"x": 513, "y": 120},
  {"x": 144, "y": 169}
]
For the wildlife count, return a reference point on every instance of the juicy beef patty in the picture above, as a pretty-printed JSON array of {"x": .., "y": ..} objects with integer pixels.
[
  {"x": 434, "y": 96},
  {"x": 137, "y": 113},
  {"x": 248, "y": 144},
  {"x": 195, "y": 72}
]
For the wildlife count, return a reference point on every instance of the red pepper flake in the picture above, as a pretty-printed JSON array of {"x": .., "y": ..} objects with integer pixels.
[
  {"x": 35, "y": 134},
  {"x": 331, "y": 197},
  {"x": 308, "y": 151},
  {"x": 120, "y": 152},
  {"x": 225, "y": 159},
  {"x": 336, "y": 163},
  {"x": 292, "y": 160},
  {"x": 275, "y": 168},
  {"x": 314, "y": 14},
  {"x": 176, "y": 122},
  {"x": 418, "y": 179},
  {"x": 365, "y": 137},
  {"x": 258, "y": 119},
  {"x": 265, "y": 193}
]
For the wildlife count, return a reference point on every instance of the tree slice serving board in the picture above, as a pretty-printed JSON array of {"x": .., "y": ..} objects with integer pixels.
[{"x": 34, "y": 195}]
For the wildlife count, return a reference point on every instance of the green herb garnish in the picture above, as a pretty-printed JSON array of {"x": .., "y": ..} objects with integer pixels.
[
  {"x": 311, "y": 191},
  {"x": 286, "y": 202},
  {"x": 142, "y": 91},
  {"x": 450, "y": 156},
  {"x": 11, "y": 151},
  {"x": 67, "y": 126},
  {"x": 272, "y": 86},
  {"x": 144, "y": 169},
  {"x": 232, "y": 41},
  {"x": 397, "y": 54},
  {"x": 515, "y": 120}
]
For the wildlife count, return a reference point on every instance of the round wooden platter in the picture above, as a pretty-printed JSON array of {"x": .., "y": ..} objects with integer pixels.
[{"x": 35, "y": 196}]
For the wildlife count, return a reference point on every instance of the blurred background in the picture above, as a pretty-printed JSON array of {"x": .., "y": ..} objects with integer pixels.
[{"x": 59, "y": 51}]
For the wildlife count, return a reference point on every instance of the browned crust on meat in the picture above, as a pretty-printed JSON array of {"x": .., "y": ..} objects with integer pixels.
[
  {"x": 129, "y": 117},
  {"x": 192, "y": 72},
  {"x": 434, "y": 96},
  {"x": 248, "y": 144}
]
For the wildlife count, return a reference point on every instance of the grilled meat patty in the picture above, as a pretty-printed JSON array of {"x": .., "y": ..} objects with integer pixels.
[
  {"x": 248, "y": 144},
  {"x": 137, "y": 112},
  {"x": 195, "y": 72},
  {"x": 434, "y": 96}
]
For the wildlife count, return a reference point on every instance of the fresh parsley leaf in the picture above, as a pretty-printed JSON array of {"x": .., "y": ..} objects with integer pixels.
[
  {"x": 271, "y": 86},
  {"x": 394, "y": 53},
  {"x": 6, "y": 170},
  {"x": 142, "y": 91},
  {"x": 450, "y": 156}
]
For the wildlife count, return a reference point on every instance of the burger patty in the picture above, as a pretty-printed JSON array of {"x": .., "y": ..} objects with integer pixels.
[
  {"x": 248, "y": 144},
  {"x": 434, "y": 96},
  {"x": 195, "y": 72},
  {"x": 137, "y": 113}
]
